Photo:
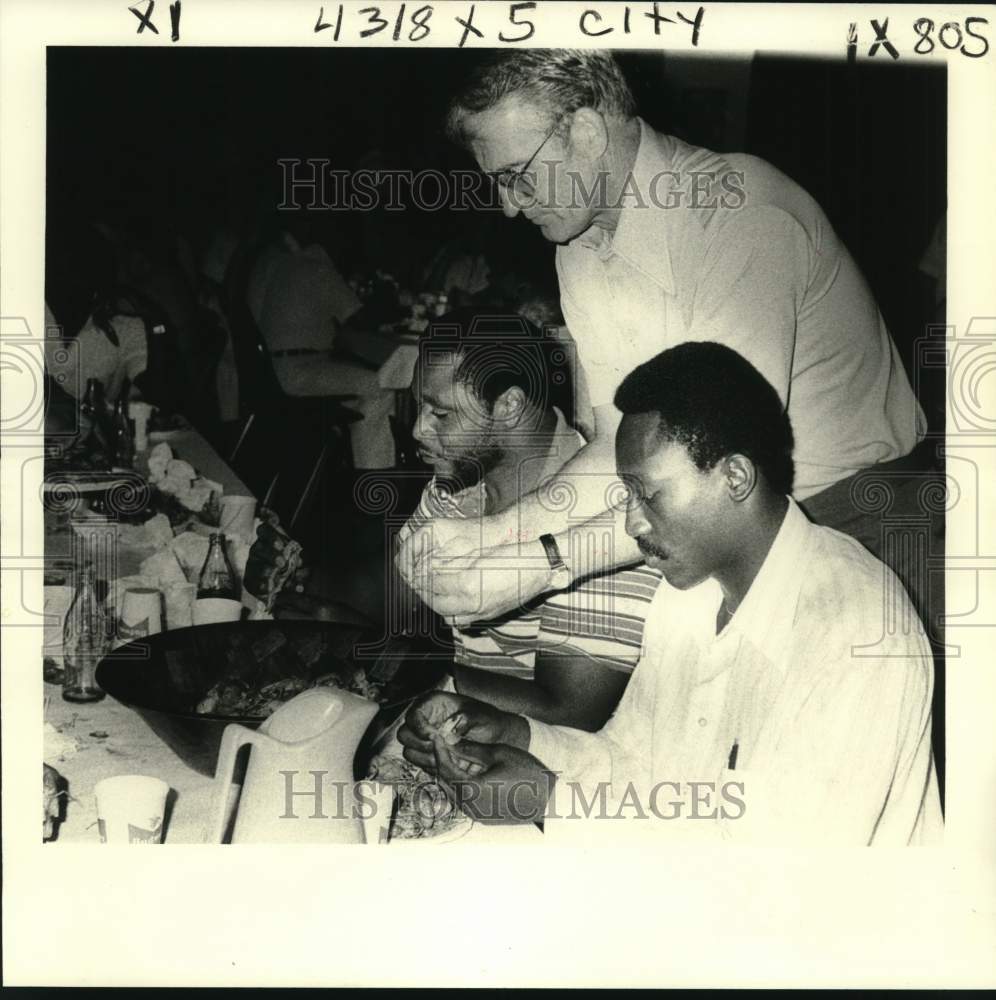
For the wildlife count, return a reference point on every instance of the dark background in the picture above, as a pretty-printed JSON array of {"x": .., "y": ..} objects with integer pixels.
[{"x": 189, "y": 137}]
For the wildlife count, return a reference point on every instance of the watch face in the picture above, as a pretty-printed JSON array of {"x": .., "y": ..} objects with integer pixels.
[{"x": 561, "y": 577}]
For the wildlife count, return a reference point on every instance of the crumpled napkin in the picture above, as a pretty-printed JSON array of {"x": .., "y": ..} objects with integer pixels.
[
  {"x": 183, "y": 558},
  {"x": 180, "y": 479},
  {"x": 58, "y": 746}
]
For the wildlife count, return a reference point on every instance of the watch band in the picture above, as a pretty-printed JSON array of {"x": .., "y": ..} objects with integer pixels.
[{"x": 552, "y": 550}]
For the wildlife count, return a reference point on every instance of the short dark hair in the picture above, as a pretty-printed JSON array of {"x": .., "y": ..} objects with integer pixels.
[
  {"x": 561, "y": 80},
  {"x": 716, "y": 403},
  {"x": 497, "y": 349}
]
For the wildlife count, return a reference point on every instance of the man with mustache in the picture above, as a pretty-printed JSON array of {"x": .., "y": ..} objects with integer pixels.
[
  {"x": 764, "y": 663},
  {"x": 661, "y": 243},
  {"x": 486, "y": 391}
]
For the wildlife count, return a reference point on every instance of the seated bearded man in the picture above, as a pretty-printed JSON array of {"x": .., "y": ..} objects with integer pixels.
[
  {"x": 771, "y": 704},
  {"x": 484, "y": 388}
]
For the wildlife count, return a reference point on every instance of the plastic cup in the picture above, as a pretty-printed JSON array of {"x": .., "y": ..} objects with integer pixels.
[
  {"x": 141, "y": 613},
  {"x": 238, "y": 515},
  {"x": 179, "y": 599},
  {"x": 130, "y": 809},
  {"x": 208, "y": 610}
]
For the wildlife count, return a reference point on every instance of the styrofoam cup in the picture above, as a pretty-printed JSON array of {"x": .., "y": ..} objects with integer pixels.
[
  {"x": 130, "y": 809},
  {"x": 141, "y": 613},
  {"x": 208, "y": 610}
]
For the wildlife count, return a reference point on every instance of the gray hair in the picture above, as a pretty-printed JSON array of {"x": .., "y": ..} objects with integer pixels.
[{"x": 561, "y": 80}]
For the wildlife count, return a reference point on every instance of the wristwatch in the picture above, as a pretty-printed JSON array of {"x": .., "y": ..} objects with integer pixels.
[{"x": 560, "y": 575}]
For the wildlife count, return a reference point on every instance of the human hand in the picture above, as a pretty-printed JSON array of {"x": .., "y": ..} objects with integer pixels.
[
  {"x": 495, "y": 783},
  {"x": 271, "y": 556},
  {"x": 447, "y": 717},
  {"x": 464, "y": 584},
  {"x": 487, "y": 585},
  {"x": 451, "y": 536}
]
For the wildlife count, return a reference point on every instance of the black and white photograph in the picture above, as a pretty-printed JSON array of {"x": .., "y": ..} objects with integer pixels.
[{"x": 478, "y": 466}]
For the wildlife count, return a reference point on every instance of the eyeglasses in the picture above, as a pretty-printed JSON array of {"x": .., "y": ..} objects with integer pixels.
[{"x": 508, "y": 180}]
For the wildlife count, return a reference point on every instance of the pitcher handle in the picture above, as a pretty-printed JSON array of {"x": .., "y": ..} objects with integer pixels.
[{"x": 232, "y": 740}]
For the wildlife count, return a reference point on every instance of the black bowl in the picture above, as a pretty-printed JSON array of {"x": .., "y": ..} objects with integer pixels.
[{"x": 165, "y": 676}]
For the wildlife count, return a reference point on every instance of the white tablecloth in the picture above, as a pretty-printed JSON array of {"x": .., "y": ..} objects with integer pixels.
[{"x": 109, "y": 739}]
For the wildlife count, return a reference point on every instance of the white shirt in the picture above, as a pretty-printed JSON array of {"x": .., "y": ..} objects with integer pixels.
[
  {"x": 830, "y": 716},
  {"x": 90, "y": 354},
  {"x": 757, "y": 267}
]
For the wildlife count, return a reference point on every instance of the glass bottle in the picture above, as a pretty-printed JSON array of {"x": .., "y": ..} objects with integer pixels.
[
  {"x": 93, "y": 404},
  {"x": 124, "y": 454},
  {"x": 86, "y": 638},
  {"x": 217, "y": 579},
  {"x": 93, "y": 412}
]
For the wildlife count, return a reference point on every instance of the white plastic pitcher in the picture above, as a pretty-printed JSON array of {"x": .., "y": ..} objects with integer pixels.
[{"x": 299, "y": 783}]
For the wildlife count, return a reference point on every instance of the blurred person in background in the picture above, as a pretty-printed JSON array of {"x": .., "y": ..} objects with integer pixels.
[
  {"x": 153, "y": 271},
  {"x": 299, "y": 302},
  {"x": 112, "y": 340},
  {"x": 216, "y": 255}
]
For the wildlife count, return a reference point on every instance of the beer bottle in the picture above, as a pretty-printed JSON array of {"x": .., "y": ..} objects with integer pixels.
[
  {"x": 93, "y": 415},
  {"x": 124, "y": 454}
]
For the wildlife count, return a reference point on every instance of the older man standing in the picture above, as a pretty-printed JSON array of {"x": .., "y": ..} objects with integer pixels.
[{"x": 660, "y": 243}]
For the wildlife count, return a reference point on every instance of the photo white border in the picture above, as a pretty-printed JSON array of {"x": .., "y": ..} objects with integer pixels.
[{"x": 490, "y": 916}]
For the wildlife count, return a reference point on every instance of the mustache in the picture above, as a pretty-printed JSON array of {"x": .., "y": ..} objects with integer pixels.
[{"x": 649, "y": 549}]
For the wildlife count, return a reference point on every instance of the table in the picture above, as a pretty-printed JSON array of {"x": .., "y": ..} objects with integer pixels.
[
  {"x": 111, "y": 739},
  {"x": 393, "y": 353},
  {"x": 86, "y": 743},
  {"x": 131, "y": 747},
  {"x": 187, "y": 444},
  {"x": 123, "y": 743},
  {"x": 191, "y": 446}
]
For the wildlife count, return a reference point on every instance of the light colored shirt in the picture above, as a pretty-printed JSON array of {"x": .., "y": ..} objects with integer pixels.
[
  {"x": 829, "y": 711},
  {"x": 726, "y": 248},
  {"x": 600, "y": 618},
  {"x": 94, "y": 356}
]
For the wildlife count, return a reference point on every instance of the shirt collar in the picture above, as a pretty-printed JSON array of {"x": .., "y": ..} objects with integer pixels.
[
  {"x": 637, "y": 237},
  {"x": 765, "y": 613}
]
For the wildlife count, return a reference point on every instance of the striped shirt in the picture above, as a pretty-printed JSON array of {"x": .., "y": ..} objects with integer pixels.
[{"x": 600, "y": 617}]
